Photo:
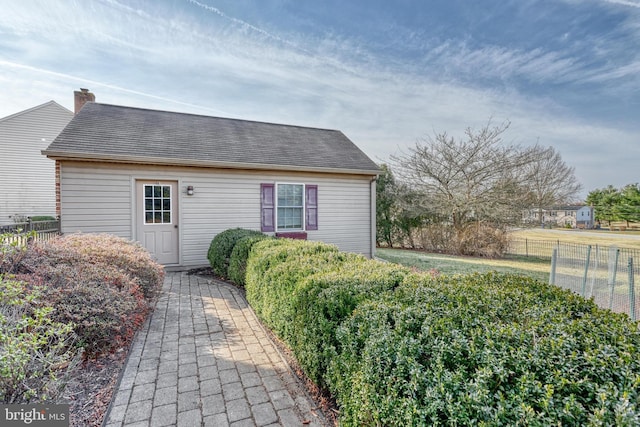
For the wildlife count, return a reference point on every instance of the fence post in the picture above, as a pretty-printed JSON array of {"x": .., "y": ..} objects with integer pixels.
[
  {"x": 586, "y": 272},
  {"x": 595, "y": 271},
  {"x": 632, "y": 292},
  {"x": 526, "y": 247},
  {"x": 552, "y": 274},
  {"x": 612, "y": 273}
]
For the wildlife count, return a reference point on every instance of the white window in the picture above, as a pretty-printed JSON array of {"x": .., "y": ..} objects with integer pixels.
[
  {"x": 290, "y": 206},
  {"x": 157, "y": 204}
]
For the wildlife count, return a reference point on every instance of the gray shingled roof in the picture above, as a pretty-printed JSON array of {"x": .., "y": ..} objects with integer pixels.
[{"x": 125, "y": 134}]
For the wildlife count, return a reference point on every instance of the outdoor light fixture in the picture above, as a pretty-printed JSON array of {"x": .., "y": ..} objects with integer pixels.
[{"x": 190, "y": 190}]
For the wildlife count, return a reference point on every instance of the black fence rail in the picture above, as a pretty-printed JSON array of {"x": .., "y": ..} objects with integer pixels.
[
  {"x": 608, "y": 274},
  {"x": 532, "y": 248},
  {"x": 20, "y": 233},
  {"x": 544, "y": 248}
]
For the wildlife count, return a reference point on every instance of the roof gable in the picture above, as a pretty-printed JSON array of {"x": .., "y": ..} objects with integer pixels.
[
  {"x": 49, "y": 104},
  {"x": 116, "y": 133}
]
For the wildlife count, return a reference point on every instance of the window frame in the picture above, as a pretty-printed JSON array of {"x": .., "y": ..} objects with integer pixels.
[
  {"x": 302, "y": 207},
  {"x": 161, "y": 198}
]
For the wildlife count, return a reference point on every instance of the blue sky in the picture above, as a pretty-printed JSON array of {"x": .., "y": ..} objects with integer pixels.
[{"x": 565, "y": 73}]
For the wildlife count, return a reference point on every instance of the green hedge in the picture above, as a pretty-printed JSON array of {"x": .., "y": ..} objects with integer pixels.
[
  {"x": 327, "y": 298},
  {"x": 239, "y": 255},
  {"x": 399, "y": 348},
  {"x": 303, "y": 290},
  {"x": 221, "y": 247},
  {"x": 274, "y": 271},
  {"x": 486, "y": 350}
]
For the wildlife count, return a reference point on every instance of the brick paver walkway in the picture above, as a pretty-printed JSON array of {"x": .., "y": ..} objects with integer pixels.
[{"x": 203, "y": 359}]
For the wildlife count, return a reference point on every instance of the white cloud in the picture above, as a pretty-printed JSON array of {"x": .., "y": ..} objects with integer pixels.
[
  {"x": 624, "y": 3},
  {"x": 631, "y": 70},
  {"x": 231, "y": 68}
]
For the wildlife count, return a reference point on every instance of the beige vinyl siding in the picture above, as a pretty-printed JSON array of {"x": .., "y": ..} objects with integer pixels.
[
  {"x": 27, "y": 178},
  {"x": 98, "y": 197},
  {"x": 344, "y": 216},
  {"x": 95, "y": 200}
]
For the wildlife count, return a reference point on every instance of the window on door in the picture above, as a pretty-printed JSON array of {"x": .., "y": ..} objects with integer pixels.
[{"x": 157, "y": 204}]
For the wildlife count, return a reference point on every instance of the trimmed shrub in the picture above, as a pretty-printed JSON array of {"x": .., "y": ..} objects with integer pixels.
[
  {"x": 274, "y": 271},
  {"x": 400, "y": 348},
  {"x": 36, "y": 355},
  {"x": 105, "y": 305},
  {"x": 93, "y": 282},
  {"x": 221, "y": 247},
  {"x": 303, "y": 290},
  {"x": 239, "y": 256},
  {"x": 130, "y": 257},
  {"x": 486, "y": 350},
  {"x": 324, "y": 300}
]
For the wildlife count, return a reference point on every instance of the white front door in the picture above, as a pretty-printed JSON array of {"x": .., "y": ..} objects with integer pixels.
[{"x": 157, "y": 219}]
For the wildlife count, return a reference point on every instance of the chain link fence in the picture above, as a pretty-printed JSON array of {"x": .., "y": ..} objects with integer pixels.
[
  {"x": 609, "y": 275},
  {"x": 532, "y": 248}
]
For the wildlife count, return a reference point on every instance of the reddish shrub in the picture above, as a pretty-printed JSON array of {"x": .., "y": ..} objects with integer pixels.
[
  {"x": 90, "y": 282},
  {"x": 105, "y": 305},
  {"x": 128, "y": 256}
]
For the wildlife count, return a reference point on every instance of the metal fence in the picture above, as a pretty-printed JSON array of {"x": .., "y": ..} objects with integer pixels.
[
  {"x": 609, "y": 275},
  {"x": 532, "y": 247},
  {"x": 20, "y": 233}
]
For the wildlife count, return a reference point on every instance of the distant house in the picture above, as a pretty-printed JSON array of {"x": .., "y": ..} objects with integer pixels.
[
  {"x": 173, "y": 181},
  {"x": 574, "y": 216},
  {"x": 27, "y": 179}
]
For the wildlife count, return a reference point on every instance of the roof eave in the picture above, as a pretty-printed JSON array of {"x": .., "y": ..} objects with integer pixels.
[{"x": 111, "y": 158}]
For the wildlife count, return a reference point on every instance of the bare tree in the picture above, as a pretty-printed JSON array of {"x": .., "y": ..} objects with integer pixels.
[
  {"x": 476, "y": 178},
  {"x": 550, "y": 180}
]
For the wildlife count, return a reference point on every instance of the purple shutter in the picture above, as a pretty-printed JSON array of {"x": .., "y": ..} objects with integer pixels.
[
  {"x": 267, "y": 207},
  {"x": 311, "y": 206}
]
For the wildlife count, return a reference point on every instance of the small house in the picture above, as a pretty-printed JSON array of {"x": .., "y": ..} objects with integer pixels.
[
  {"x": 573, "y": 216},
  {"x": 172, "y": 181}
]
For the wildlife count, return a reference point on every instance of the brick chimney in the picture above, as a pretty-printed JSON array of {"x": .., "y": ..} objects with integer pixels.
[{"x": 81, "y": 97}]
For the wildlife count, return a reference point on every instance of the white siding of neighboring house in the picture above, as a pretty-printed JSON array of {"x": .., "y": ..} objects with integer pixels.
[
  {"x": 27, "y": 178},
  {"x": 584, "y": 216},
  {"x": 99, "y": 197}
]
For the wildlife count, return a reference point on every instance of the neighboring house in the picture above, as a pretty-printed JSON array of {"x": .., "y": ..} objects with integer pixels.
[
  {"x": 27, "y": 179},
  {"x": 173, "y": 181},
  {"x": 585, "y": 217},
  {"x": 574, "y": 216}
]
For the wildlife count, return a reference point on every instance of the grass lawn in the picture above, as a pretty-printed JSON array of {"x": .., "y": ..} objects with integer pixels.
[
  {"x": 449, "y": 264},
  {"x": 627, "y": 239},
  {"x": 529, "y": 266}
]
